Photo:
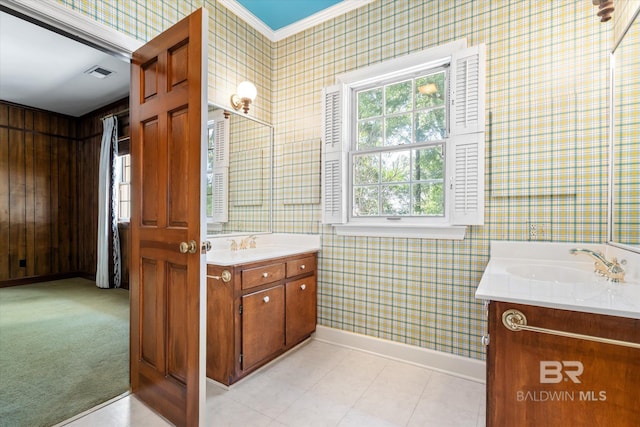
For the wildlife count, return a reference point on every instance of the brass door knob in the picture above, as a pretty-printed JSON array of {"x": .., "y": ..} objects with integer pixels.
[{"x": 190, "y": 247}]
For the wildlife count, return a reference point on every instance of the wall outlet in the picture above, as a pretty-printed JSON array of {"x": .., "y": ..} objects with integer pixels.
[
  {"x": 22, "y": 263},
  {"x": 537, "y": 232}
]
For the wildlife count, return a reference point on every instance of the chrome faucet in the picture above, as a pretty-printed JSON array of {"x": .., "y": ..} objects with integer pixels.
[{"x": 609, "y": 269}]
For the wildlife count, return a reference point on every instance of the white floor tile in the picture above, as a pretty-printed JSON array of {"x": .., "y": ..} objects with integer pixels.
[
  {"x": 357, "y": 418},
  {"x": 320, "y": 384},
  {"x": 448, "y": 401}
]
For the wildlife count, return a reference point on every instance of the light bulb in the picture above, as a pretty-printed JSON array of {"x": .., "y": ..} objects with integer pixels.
[{"x": 247, "y": 90}]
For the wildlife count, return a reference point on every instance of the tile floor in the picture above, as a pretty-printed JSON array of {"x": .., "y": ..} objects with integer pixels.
[{"x": 321, "y": 384}]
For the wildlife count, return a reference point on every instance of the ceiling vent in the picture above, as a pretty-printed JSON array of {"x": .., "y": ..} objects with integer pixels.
[{"x": 99, "y": 72}]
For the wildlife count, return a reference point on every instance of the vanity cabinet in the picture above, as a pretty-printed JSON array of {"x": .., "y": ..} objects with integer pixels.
[
  {"x": 541, "y": 379},
  {"x": 257, "y": 311}
]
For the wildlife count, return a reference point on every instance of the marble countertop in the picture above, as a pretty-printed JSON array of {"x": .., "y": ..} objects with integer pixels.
[
  {"x": 547, "y": 275},
  {"x": 267, "y": 246}
]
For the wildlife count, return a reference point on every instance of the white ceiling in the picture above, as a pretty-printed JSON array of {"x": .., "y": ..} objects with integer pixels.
[{"x": 42, "y": 69}]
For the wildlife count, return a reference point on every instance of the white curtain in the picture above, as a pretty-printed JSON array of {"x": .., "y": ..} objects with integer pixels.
[{"x": 107, "y": 219}]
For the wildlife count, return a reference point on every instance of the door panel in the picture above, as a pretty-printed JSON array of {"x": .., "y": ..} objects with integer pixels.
[
  {"x": 149, "y": 304},
  {"x": 167, "y": 140},
  {"x": 150, "y": 145},
  {"x": 176, "y": 298},
  {"x": 178, "y": 167}
]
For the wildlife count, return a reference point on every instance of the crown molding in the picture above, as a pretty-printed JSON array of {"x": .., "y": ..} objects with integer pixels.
[{"x": 297, "y": 27}]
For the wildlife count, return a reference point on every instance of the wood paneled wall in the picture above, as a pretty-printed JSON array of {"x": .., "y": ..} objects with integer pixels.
[
  {"x": 38, "y": 207},
  {"x": 48, "y": 192}
]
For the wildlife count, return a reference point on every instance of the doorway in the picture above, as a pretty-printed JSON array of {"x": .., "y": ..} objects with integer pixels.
[{"x": 51, "y": 138}]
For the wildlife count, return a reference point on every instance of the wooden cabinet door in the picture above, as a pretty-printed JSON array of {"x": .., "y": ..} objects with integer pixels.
[
  {"x": 537, "y": 379},
  {"x": 262, "y": 325},
  {"x": 300, "y": 309},
  {"x": 167, "y": 103}
]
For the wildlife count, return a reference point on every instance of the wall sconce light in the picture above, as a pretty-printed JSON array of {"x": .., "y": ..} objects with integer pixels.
[
  {"x": 606, "y": 9},
  {"x": 246, "y": 94}
]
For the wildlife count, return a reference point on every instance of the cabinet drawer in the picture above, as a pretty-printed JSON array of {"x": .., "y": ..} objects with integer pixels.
[
  {"x": 257, "y": 276},
  {"x": 301, "y": 266}
]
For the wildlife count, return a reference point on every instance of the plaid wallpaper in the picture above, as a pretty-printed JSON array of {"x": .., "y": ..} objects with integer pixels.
[
  {"x": 546, "y": 147},
  {"x": 546, "y": 156}
]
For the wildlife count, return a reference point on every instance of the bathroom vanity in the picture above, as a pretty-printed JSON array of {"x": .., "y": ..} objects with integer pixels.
[
  {"x": 563, "y": 344},
  {"x": 260, "y": 303}
]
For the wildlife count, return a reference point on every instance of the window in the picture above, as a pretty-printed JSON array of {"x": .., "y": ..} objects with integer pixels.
[
  {"x": 123, "y": 180},
  {"x": 397, "y": 150},
  {"x": 403, "y": 146}
]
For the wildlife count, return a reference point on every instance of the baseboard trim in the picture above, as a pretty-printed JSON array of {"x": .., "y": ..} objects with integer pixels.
[
  {"x": 463, "y": 367},
  {"x": 37, "y": 279}
]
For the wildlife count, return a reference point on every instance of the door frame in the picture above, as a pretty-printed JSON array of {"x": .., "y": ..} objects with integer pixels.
[{"x": 73, "y": 24}]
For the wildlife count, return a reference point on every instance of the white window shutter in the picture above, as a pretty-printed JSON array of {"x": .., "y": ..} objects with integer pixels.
[
  {"x": 333, "y": 158},
  {"x": 467, "y": 91},
  {"x": 332, "y": 119},
  {"x": 220, "y": 140},
  {"x": 466, "y": 179},
  {"x": 220, "y": 195},
  {"x": 333, "y": 190}
]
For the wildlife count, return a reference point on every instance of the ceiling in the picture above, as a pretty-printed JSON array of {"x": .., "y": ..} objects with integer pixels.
[
  {"x": 42, "y": 69},
  {"x": 279, "y": 13},
  {"x": 46, "y": 70}
]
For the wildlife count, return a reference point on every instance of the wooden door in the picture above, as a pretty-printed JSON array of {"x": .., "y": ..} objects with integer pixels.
[{"x": 167, "y": 140}]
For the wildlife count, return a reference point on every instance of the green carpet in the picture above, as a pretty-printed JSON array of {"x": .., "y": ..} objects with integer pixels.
[{"x": 64, "y": 348}]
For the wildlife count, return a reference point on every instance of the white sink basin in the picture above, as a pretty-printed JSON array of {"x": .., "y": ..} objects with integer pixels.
[
  {"x": 551, "y": 273},
  {"x": 548, "y": 275}
]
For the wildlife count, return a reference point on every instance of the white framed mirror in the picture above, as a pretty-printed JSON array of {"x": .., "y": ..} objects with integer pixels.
[
  {"x": 624, "y": 205},
  {"x": 239, "y": 174}
]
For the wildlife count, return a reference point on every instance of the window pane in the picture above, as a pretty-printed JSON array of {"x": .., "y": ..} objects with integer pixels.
[
  {"x": 395, "y": 199},
  {"x": 398, "y": 97},
  {"x": 395, "y": 166},
  {"x": 210, "y": 160},
  {"x": 430, "y": 125},
  {"x": 126, "y": 168},
  {"x": 398, "y": 130},
  {"x": 428, "y": 199},
  {"x": 370, "y": 103},
  {"x": 369, "y": 133},
  {"x": 365, "y": 201},
  {"x": 430, "y": 91},
  {"x": 210, "y": 148},
  {"x": 366, "y": 169},
  {"x": 428, "y": 164}
]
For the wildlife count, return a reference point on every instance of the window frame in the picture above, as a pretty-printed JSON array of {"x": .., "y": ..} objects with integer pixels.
[
  {"x": 352, "y": 132},
  {"x": 120, "y": 159},
  {"x": 464, "y": 145}
]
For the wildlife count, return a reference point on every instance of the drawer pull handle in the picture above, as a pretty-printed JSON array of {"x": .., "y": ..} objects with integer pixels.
[
  {"x": 265, "y": 274},
  {"x": 515, "y": 320},
  {"x": 302, "y": 267},
  {"x": 303, "y": 286},
  {"x": 265, "y": 299}
]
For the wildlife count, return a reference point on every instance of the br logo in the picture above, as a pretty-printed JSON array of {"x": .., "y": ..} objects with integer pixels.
[{"x": 553, "y": 372}]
